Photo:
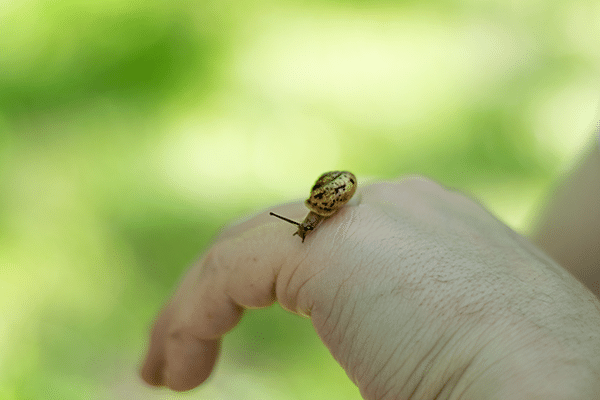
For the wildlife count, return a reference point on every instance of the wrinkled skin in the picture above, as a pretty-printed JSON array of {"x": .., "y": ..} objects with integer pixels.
[{"x": 417, "y": 291}]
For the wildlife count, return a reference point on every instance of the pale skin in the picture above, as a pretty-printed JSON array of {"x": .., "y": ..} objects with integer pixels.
[{"x": 417, "y": 291}]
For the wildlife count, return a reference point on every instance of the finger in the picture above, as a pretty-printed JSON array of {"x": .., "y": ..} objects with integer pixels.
[
  {"x": 185, "y": 339},
  {"x": 238, "y": 272}
]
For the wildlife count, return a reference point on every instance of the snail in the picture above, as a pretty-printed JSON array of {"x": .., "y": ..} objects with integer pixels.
[{"x": 331, "y": 191}]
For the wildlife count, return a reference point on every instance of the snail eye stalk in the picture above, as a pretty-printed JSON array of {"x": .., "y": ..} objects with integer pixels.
[{"x": 284, "y": 218}]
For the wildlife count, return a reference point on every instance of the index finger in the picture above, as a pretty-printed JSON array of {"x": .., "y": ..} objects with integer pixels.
[{"x": 239, "y": 271}]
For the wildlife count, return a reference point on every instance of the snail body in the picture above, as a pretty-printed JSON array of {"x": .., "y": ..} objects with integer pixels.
[{"x": 330, "y": 192}]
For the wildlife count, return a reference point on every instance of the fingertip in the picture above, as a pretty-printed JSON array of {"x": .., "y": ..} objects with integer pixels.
[
  {"x": 189, "y": 361},
  {"x": 152, "y": 372}
]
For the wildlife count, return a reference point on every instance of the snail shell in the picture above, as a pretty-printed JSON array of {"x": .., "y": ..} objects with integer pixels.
[{"x": 330, "y": 192}]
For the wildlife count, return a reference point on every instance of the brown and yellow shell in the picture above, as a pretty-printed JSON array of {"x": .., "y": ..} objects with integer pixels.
[{"x": 331, "y": 191}]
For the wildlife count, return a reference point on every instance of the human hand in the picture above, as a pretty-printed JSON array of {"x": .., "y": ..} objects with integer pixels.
[{"x": 417, "y": 291}]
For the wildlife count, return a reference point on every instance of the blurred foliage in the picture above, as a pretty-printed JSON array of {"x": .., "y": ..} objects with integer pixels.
[
  {"x": 79, "y": 51},
  {"x": 131, "y": 131}
]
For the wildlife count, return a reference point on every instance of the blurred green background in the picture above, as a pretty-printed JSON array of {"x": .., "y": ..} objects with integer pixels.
[{"x": 130, "y": 132}]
